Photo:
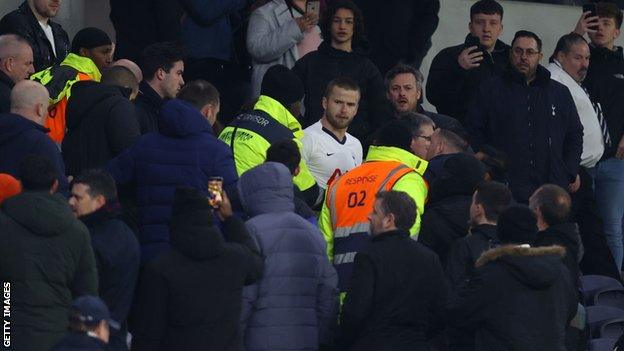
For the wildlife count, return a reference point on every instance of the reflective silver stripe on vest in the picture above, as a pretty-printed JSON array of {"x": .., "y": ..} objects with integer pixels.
[
  {"x": 343, "y": 232},
  {"x": 390, "y": 175},
  {"x": 348, "y": 257}
]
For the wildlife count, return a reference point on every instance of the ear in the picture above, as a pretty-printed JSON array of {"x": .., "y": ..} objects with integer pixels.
[
  {"x": 541, "y": 56},
  {"x": 389, "y": 220},
  {"x": 84, "y": 52},
  {"x": 100, "y": 201},
  {"x": 617, "y": 33},
  {"x": 419, "y": 93},
  {"x": 7, "y": 64},
  {"x": 297, "y": 171},
  {"x": 324, "y": 103},
  {"x": 54, "y": 187},
  {"x": 160, "y": 74}
]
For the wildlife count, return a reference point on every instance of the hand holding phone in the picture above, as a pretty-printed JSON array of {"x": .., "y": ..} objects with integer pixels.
[
  {"x": 589, "y": 20},
  {"x": 215, "y": 190},
  {"x": 313, "y": 7}
]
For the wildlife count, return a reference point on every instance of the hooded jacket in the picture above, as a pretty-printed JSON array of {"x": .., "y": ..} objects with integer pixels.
[
  {"x": 23, "y": 22},
  {"x": 294, "y": 305},
  {"x": 183, "y": 153},
  {"x": 20, "y": 137},
  {"x": 447, "y": 213},
  {"x": 6, "y": 84},
  {"x": 318, "y": 68},
  {"x": 101, "y": 123},
  {"x": 521, "y": 299},
  {"x": 117, "y": 257},
  {"x": 190, "y": 297},
  {"x": 450, "y": 88},
  {"x": 47, "y": 259}
]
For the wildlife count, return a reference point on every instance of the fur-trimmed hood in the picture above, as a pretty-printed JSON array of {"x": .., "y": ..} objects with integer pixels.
[{"x": 537, "y": 267}]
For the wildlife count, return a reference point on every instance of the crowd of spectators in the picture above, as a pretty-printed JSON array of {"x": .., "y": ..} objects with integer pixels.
[{"x": 233, "y": 176}]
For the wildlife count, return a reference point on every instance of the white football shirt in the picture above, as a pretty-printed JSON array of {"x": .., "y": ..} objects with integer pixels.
[{"x": 326, "y": 156}]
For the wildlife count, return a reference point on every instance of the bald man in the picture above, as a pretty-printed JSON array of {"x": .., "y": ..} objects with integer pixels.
[
  {"x": 16, "y": 64},
  {"x": 133, "y": 67},
  {"x": 22, "y": 130}
]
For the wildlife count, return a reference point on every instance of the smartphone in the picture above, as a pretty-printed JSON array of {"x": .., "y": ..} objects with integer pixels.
[
  {"x": 591, "y": 8},
  {"x": 215, "y": 188},
  {"x": 313, "y": 7},
  {"x": 474, "y": 41}
]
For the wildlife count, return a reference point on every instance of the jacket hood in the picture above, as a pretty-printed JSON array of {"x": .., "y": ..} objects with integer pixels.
[
  {"x": 459, "y": 176},
  {"x": 280, "y": 113},
  {"x": 12, "y": 125},
  {"x": 179, "y": 119},
  {"x": 85, "y": 96},
  {"x": 566, "y": 233},
  {"x": 192, "y": 230},
  {"x": 535, "y": 267},
  {"x": 267, "y": 188},
  {"x": 40, "y": 213}
]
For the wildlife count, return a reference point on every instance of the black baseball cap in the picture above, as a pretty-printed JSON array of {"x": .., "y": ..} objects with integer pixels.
[{"x": 91, "y": 310}]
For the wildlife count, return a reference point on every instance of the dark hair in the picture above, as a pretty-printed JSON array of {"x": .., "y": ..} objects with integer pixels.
[
  {"x": 99, "y": 182},
  {"x": 528, "y": 34},
  {"x": 487, "y": 7},
  {"x": 415, "y": 121},
  {"x": 199, "y": 93},
  {"x": 37, "y": 173},
  {"x": 285, "y": 152},
  {"x": 120, "y": 76},
  {"x": 343, "y": 82},
  {"x": 495, "y": 197},
  {"x": 566, "y": 42},
  {"x": 495, "y": 162},
  {"x": 160, "y": 55},
  {"x": 453, "y": 140},
  {"x": 402, "y": 68},
  {"x": 610, "y": 10},
  {"x": 401, "y": 205},
  {"x": 330, "y": 12},
  {"x": 554, "y": 203}
]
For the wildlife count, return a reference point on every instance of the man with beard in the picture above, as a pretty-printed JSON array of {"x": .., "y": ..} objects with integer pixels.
[
  {"x": 328, "y": 150},
  {"x": 531, "y": 118}
]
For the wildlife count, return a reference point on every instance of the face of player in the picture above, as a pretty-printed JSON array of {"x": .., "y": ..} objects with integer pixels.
[
  {"x": 487, "y": 28},
  {"x": 404, "y": 92},
  {"x": 341, "y": 106}
]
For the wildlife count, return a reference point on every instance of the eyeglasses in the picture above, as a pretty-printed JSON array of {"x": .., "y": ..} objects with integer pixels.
[
  {"x": 428, "y": 138},
  {"x": 529, "y": 52}
]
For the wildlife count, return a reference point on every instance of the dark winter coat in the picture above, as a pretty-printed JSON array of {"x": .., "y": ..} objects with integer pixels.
[
  {"x": 190, "y": 297},
  {"x": 605, "y": 83},
  {"x": 397, "y": 296},
  {"x": 183, "y": 153},
  {"x": 47, "y": 258},
  {"x": 148, "y": 104},
  {"x": 117, "y": 256},
  {"x": 140, "y": 23},
  {"x": 536, "y": 125},
  {"x": 460, "y": 264},
  {"x": 101, "y": 123},
  {"x": 521, "y": 299},
  {"x": 298, "y": 303},
  {"x": 80, "y": 342},
  {"x": 20, "y": 137},
  {"x": 6, "y": 84},
  {"x": 318, "y": 68},
  {"x": 567, "y": 236},
  {"x": 450, "y": 88},
  {"x": 24, "y": 23},
  {"x": 399, "y": 31}
]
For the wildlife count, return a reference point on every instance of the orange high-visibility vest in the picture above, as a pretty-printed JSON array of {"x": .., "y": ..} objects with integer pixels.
[{"x": 350, "y": 200}]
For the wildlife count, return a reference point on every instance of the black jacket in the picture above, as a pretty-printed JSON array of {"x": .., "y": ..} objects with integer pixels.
[
  {"x": 101, "y": 123},
  {"x": 139, "y": 23},
  {"x": 318, "y": 68},
  {"x": 536, "y": 125},
  {"x": 117, "y": 256},
  {"x": 450, "y": 88},
  {"x": 80, "y": 342},
  {"x": 148, "y": 104},
  {"x": 47, "y": 258},
  {"x": 605, "y": 83},
  {"x": 399, "y": 30},
  {"x": 567, "y": 236},
  {"x": 460, "y": 265},
  {"x": 23, "y": 22},
  {"x": 521, "y": 300},
  {"x": 397, "y": 296},
  {"x": 6, "y": 84},
  {"x": 190, "y": 297},
  {"x": 20, "y": 137}
]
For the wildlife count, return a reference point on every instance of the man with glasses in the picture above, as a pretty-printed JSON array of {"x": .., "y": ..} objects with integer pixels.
[{"x": 531, "y": 118}]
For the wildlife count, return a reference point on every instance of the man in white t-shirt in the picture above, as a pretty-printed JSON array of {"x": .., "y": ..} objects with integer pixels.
[{"x": 328, "y": 150}]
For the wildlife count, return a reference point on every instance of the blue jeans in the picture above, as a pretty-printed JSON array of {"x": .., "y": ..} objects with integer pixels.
[{"x": 609, "y": 186}]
